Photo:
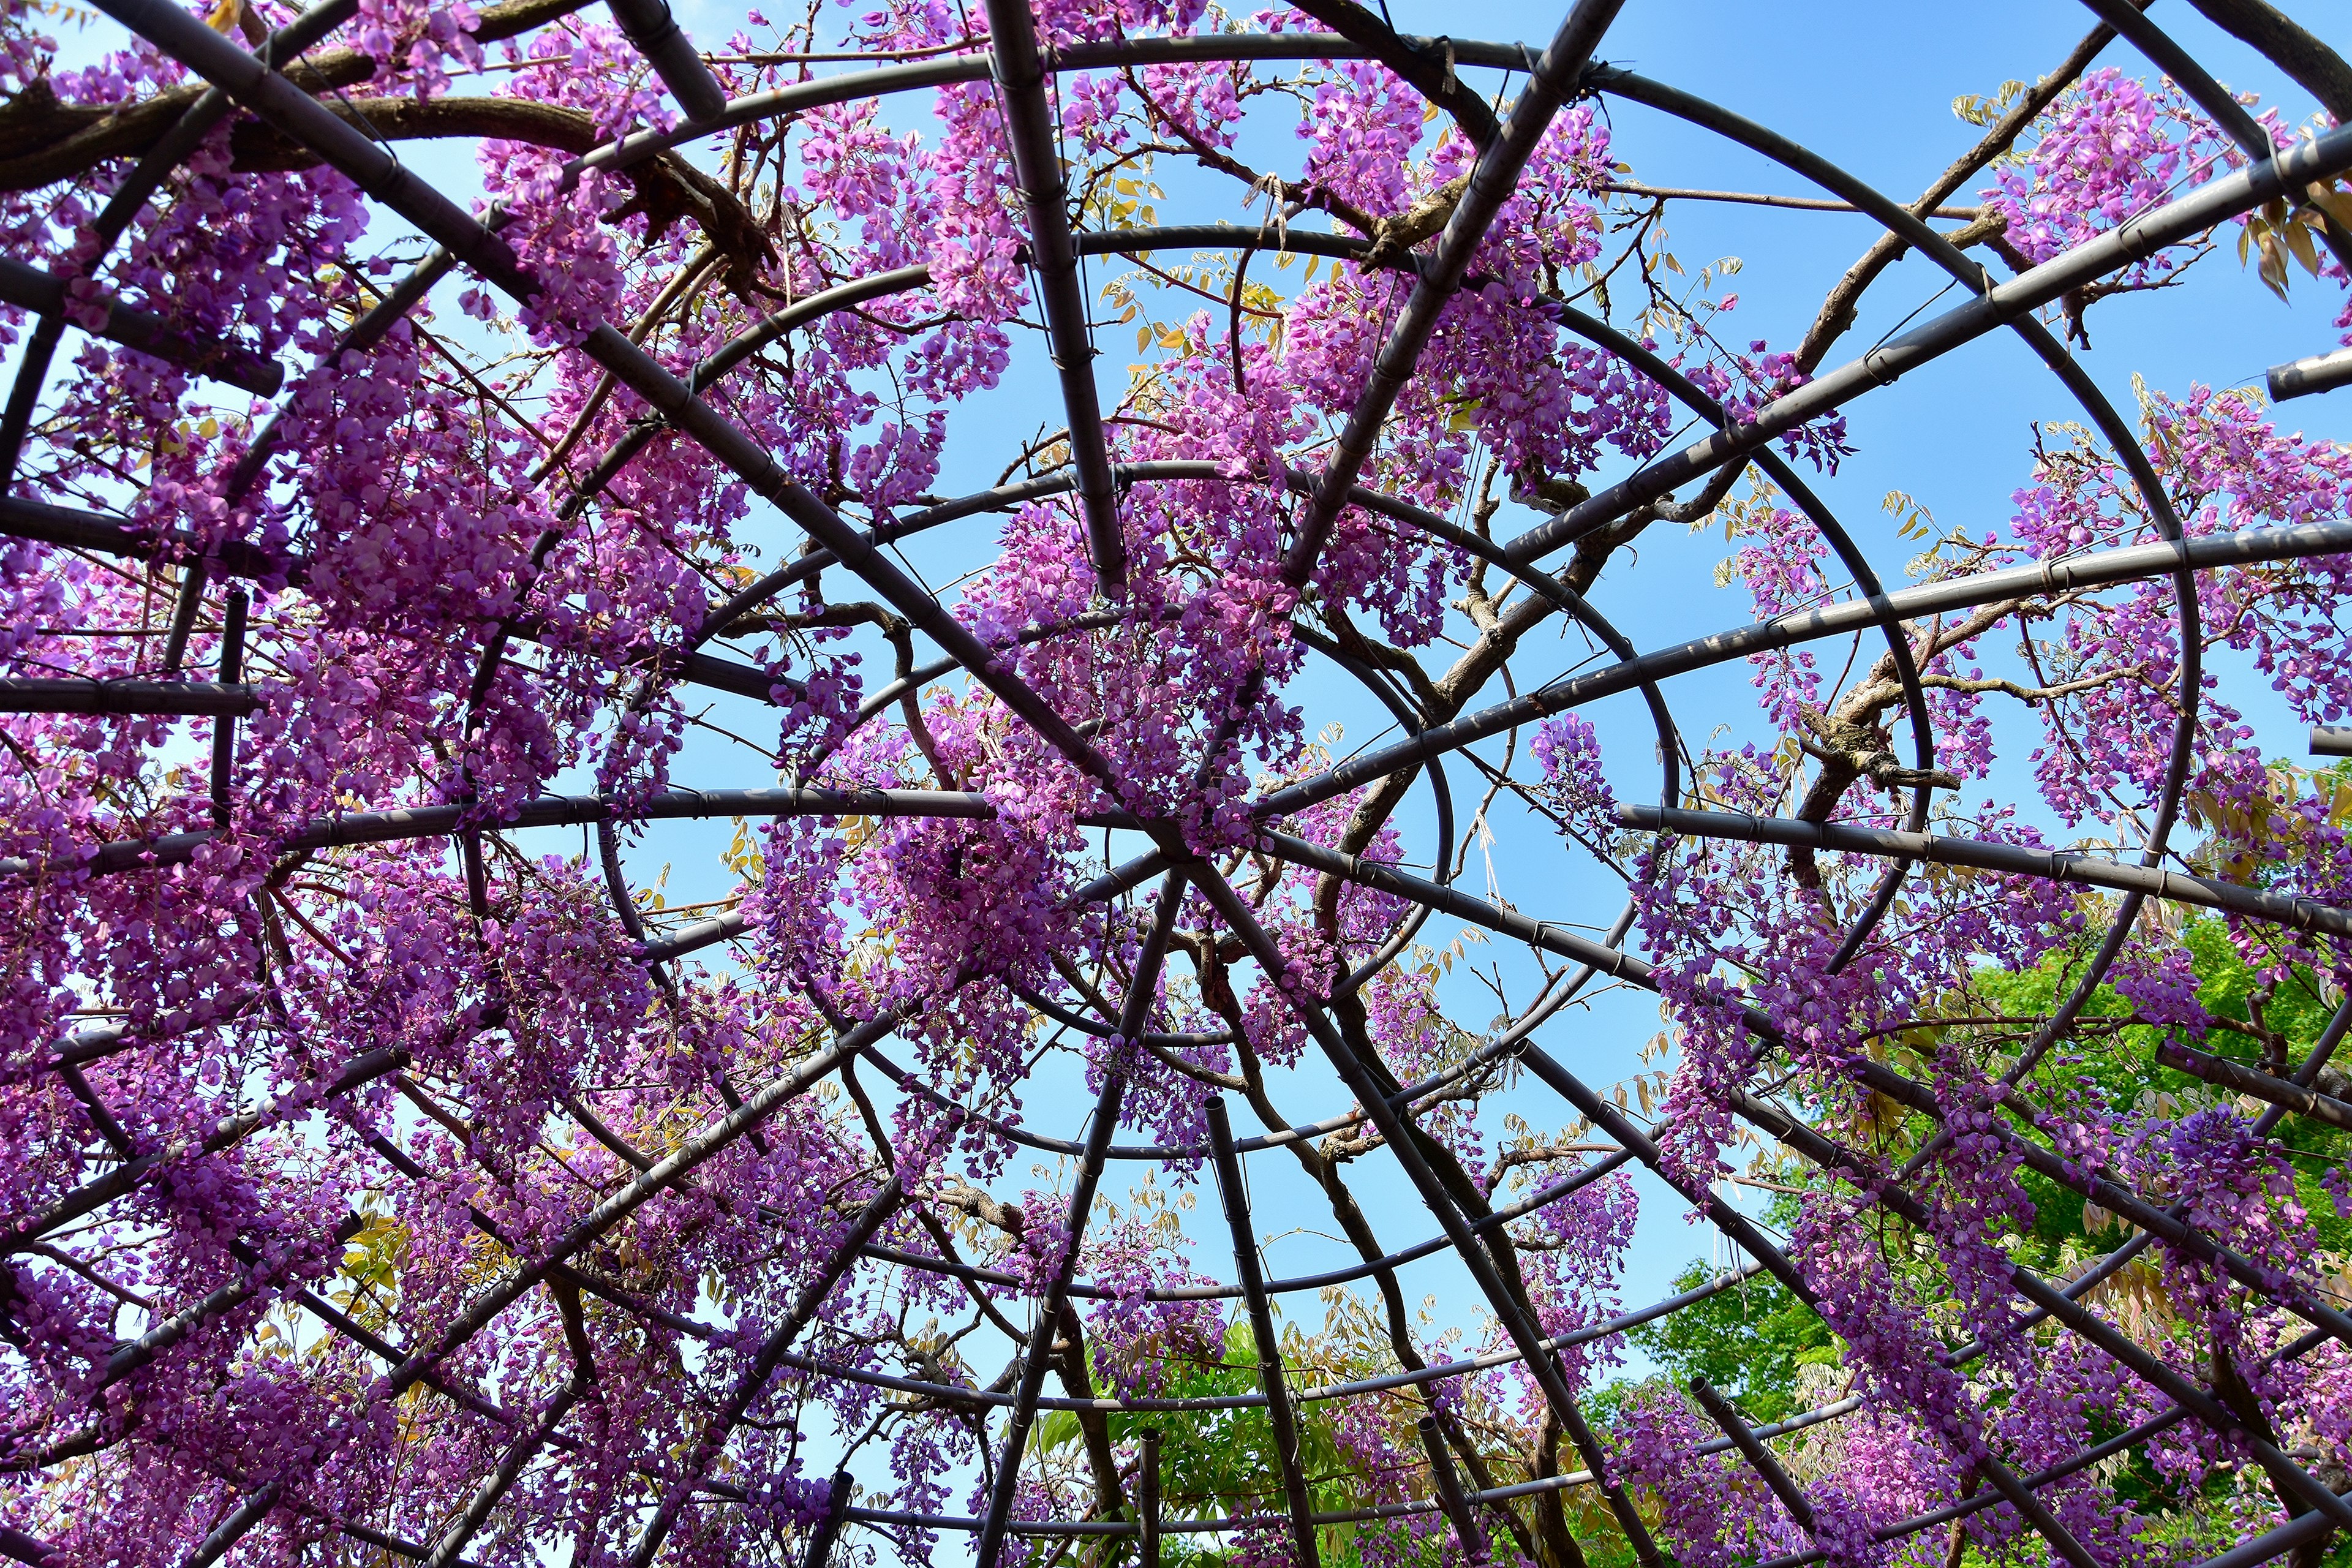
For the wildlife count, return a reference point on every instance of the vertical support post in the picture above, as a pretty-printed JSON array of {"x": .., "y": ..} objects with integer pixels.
[
  {"x": 1038, "y": 1355},
  {"x": 1449, "y": 1493},
  {"x": 1147, "y": 1498},
  {"x": 184, "y": 612},
  {"x": 828, "y": 1528},
  {"x": 1021, "y": 77},
  {"x": 232, "y": 670},
  {"x": 1269, "y": 1348}
]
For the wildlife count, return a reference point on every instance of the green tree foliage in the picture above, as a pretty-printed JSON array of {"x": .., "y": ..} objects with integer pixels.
[
  {"x": 1749, "y": 1340},
  {"x": 1221, "y": 1464}
]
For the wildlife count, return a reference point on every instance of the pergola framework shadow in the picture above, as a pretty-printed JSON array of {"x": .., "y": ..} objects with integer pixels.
[{"x": 1023, "y": 71}]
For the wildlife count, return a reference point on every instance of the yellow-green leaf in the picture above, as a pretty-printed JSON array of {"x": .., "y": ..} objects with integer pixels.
[{"x": 2297, "y": 236}]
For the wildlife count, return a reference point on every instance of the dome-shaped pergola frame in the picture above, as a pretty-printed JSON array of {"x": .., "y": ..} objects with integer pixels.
[{"x": 1564, "y": 70}]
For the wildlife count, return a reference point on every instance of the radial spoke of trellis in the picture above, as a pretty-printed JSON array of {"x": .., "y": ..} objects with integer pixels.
[
  {"x": 495, "y": 1486},
  {"x": 2010, "y": 859},
  {"x": 1833, "y": 1158},
  {"x": 1022, "y": 82},
  {"x": 249, "y": 1511},
  {"x": 383, "y": 177},
  {"x": 2212, "y": 202},
  {"x": 1744, "y": 1232},
  {"x": 1401, "y": 1140},
  {"x": 419, "y": 1363},
  {"x": 689, "y": 1155},
  {"x": 762, "y": 1370},
  {"x": 1233, "y": 1193},
  {"x": 1492, "y": 180},
  {"x": 2024, "y": 583},
  {"x": 1037, "y": 1354},
  {"x": 128, "y": 1176},
  {"x": 2165, "y": 1224}
]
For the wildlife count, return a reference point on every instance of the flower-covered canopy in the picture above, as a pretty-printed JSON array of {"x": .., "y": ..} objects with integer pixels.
[{"x": 694, "y": 873}]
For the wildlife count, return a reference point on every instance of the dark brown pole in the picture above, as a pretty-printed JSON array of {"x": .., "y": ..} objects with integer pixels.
[
  {"x": 1784, "y": 1486},
  {"x": 1147, "y": 1498},
  {"x": 1449, "y": 1493}
]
